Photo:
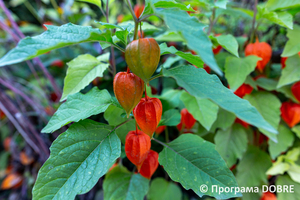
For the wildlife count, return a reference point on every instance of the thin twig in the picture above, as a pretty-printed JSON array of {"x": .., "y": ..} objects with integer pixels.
[
  {"x": 212, "y": 21},
  {"x": 19, "y": 128}
]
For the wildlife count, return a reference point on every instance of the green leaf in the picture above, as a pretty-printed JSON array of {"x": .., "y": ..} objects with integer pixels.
[
  {"x": 169, "y": 62},
  {"x": 296, "y": 129},
  {"x": 114, "y": 116},
  {"x": 229, "y": 43},
  {"x": 224, "y": 120},
  {"x": 291, "y": 72},
  {"x": 81, "y": 71},
  {"x": 170, "y": 118},
  {"x": 169, "y": 36},
  {"x": 55, "y": 37},
  {"x": 202, "y": 85},
  {"x": 150, "y": 5},
  {"x": 192, "y": 161},
  {"x": 251, "y": 170},
  {"x": 294, "y": 172},
  {"x": 203, "y": 110},
  {"x": 279, "y": 167},
  {"x": 79, "y": 106},
  {"x": 269, "y": 107},
  {"x": 79, "y": 157},
  {"x": 231, "y": 143},
  {"x": 192, "y": 31},
  {"x": 292, "y": 46},
  {"x": 237, "y": 70},
  {"x": 286, "y": 180},
  {"x": 194, "y": 59},
  {"x": 285, "y": 138},
  {"x": 278, "y": 4},
  {"x": 284, "y": 18},
  {"x": 110, "y": 26},
  {"x": 267, "y": 83},
  {"x": 95, "y": 2},
  {"x": 160, "y": 189},
  {"x": 120, "y": 184}
]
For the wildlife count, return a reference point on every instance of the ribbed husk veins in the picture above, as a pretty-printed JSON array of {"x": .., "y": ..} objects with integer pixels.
[
  {"x": 150, "y": 164},
  {"x": 262, "y": 50},
  {"x": 142, "y": 57},
  {"x": 148, "y": 114},
  {"x": 137, "y": 147},
  {"x": 128, "y": 89}
]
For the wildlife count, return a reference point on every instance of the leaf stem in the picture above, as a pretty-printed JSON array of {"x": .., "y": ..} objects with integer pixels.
[
  {"x": 128, "y": 120},
  {"x": 159, "y": 142},
  {"x": 156, "y": 76},
  {"x": 145, "y": 17}
]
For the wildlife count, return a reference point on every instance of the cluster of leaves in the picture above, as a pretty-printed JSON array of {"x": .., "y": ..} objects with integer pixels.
[{"x": 247, "y": 132}]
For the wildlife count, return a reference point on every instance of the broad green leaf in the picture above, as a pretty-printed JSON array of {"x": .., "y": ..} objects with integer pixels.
[
  {"x": 160, "y": 189},
  {"x": 229, "y": 43},
  {"x": 81, "y": 71},
  {"x": 170, "y": 118},
  {"x": 291, "y": 72},
  {"x": 169, "y": 62},
  {"x": 115, "y": 116},
  {"x": 284, "y": 19},
  {"x": 150, "y": 6},
  {"x": 278, "y": 4},
  {"x": 231, "y": 143},
  {"x": 202, "y": 85},
  {"x": 111, "y": 26},
  {"x": 237, "y": 70},
  {"x": 79, "y": 157},
  {"x": 79, "y": 106},
  {"x": 267, "y": 83},
  {"x": 224, "y": 120},
  {"x": 269, "y": 107},
  {"x": 95, "y": 2},
  {"x": 292, "y": 46},
  {"x": 251, "y": 170},
  {"x": 294, "y": 172},
  {"x": 296, "y": 129},
  {"x": 286, "y": 180},
  {"x": 172, "y": 97},
  {"x": 120, "y": 184},
  {"x": 192, "y": 162},
  {"x": 194, "y": 59},
  {"x": 192, "y": 31},
  {"x": 279, "y": 167},
  {"x": 169, "y": 36},
  {"x": 285, "y": 138},
  {"x": 55, "y": 37},
  {"x": 203, "y": 110}
]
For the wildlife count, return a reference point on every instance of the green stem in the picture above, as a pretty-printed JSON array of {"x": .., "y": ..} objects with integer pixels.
[
  {"x": 33, "y": 11},
  {"x": 154, "y": 77},
  {"x": 167, "y": 134},
  {"x": 136, "y": 21},
  {"x": 159, "y": 142},
  {"x": 212, "y": 21},
  {"x": 253, "y": 22},
  {"x": 144, "y": 17}
]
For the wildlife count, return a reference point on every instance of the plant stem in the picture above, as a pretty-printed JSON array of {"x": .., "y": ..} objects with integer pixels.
[
  {"x": 154, "y": 77},
  {"x": 33, "y": 11},
  {"x": 253, "y": 21},
  {"x": 156, "y": 140},
  {"x": 136, "y": 20},
  {"x": 212, "y": 21},
  {"x": 167, "y": 134},
  {"x": 144, "y": 17}
]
